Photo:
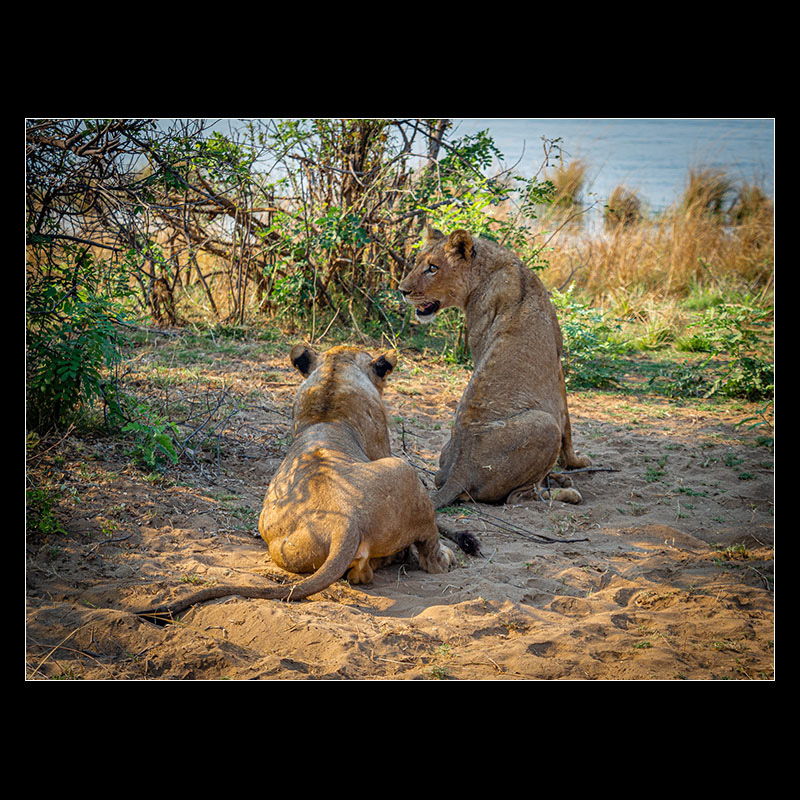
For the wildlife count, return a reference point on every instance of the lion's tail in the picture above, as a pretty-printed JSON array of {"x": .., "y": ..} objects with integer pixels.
[
  {"x": 340, "y": 556},
  {"x": 448, "y": 493}
]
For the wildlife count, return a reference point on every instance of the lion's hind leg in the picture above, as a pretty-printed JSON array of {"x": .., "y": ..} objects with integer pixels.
[
  {"x": 400, "y": 557},
  {"x": 534, "y": 492},
  {"x": 563, "y": 489},
  {"x": 563, "y": 495},
  {"x": 429, "y": 554},
  {"x": 361, "y": 570}
]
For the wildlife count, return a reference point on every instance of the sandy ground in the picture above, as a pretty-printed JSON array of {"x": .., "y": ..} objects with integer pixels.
[{"x": 665, "y": 571}]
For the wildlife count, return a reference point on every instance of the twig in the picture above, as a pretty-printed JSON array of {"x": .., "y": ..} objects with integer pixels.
[
  {"x": 512, "y": 527},
  {"x": 106, "y": 541},
  {"x": 410, "y": 461},
  {"x": 56, "y": 647},
  {"x": 586, "y": 469},
  {"x": 323, "y": 334},
  {"x": 37, "y": 456}
]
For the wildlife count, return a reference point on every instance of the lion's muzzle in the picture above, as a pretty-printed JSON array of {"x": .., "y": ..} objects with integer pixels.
[{"x": 427, "y": 311}]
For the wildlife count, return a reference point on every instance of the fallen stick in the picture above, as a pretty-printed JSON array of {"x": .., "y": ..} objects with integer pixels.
[
  {"x": 512, "y": 527},
  {"x": 586, "y": 469}
]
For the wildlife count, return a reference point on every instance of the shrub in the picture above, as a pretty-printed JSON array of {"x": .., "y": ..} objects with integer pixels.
[
  {"x": 591, "y": 353},
  {"x": 568, "y": 181},
  {"x": 153, "y": 438},
  {"x": 72, "y": 336},
  {"x": 739, "y": 363},
  {"x": 707, "y": 191}
]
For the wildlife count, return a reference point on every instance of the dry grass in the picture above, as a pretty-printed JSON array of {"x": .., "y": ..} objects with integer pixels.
[
  {"x": 714, "y": 236},
  {"x": 718, "y": 236},
  {"x": 707, "y": 191},
  {"x": 624, "y": 208},
  {"x": 569, "y": 181}
]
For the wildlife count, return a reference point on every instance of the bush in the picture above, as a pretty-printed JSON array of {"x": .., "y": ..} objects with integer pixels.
[
  {"x": 739, "y": 363},
  {"x": 624, "y": 208},
  {"x": 72, "y": 337},
  {"x": 591, "y": 353}
]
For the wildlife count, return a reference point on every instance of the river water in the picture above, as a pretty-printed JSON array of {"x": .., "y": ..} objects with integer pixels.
[{"x": 651, "y": 156}]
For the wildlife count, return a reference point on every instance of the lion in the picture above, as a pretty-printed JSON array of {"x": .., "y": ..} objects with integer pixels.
[
  {"x": 512, "y": 423},
  {"x": 340, "y": 503}
]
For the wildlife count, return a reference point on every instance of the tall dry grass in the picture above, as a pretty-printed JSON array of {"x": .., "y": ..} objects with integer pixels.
[
  {"x": 569, "y": 182},
  {"x": 717, "y": 234},
  {"x": 624, "y": 207}
]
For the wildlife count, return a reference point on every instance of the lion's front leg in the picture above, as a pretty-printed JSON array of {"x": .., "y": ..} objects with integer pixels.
[
  {"x": 568, "y": 458},
  {"x": 434, "y": 556}
]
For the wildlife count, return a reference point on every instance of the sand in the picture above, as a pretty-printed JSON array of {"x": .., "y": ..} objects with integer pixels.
[{"x": 664, "y": 572}]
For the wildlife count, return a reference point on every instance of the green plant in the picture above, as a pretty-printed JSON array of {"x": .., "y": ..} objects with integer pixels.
[
  {"x": 762, "y": 421},
  {"x": 40, "y": 505},
  {"x": 739, "y": 361},
  {"x": 154, "y": 439},
  {"x": 655, "y": 473},
  {"x": 591, "y": 352},
  {"x": 72, "y": 336},
  {"x": 680, "y": 380}
]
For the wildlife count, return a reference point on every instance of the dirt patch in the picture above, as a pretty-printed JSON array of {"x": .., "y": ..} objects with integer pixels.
[{"x": 665, "y": 571}]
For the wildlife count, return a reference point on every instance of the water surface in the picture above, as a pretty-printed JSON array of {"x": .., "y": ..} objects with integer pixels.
[{"x": 652, "y": 156}]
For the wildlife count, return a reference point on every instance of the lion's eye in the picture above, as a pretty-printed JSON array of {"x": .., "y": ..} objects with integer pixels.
[{"x": 432, "y": 268}]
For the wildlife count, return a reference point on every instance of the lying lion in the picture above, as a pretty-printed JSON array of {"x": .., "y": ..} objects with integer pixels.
[
  {"x": 512, "y": 423},
  {"x": 340, "y": 503}
]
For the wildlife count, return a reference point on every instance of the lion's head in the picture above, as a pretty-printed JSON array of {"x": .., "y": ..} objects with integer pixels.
[
  {"x": 439, "y": 278},
  {"x": 344, "y": 385},
  {"x": 341, "y": 367}
]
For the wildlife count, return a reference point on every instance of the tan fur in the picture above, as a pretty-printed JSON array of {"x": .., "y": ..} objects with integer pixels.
[
  {"x": 340, "y": 483},
  {"x": 512, "y": 424},
  {"x": 340, "y": 503}
]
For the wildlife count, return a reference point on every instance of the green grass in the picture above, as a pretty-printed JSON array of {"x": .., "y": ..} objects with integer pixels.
[{"x": 710, "y": 352}]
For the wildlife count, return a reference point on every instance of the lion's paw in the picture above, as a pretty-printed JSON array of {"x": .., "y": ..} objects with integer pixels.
[
  {"x": 441, "y": 561},
  {"x": 447, "y": 558},
  {"x": 564, "y": 495}
]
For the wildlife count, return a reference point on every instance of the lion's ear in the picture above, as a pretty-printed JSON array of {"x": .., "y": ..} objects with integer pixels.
[
  {"x": 460, "y": 243},
  {"x": 431, "y": 235},
  {"x": 383, "y": 365},
  {"x": 304, "y": 359}
]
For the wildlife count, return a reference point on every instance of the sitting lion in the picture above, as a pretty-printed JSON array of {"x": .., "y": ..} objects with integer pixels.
[
  {"x": 340, "y": 502},
  {"x": 512, "y": 423}
]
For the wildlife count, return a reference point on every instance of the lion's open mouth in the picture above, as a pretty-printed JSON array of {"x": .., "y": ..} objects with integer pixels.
[{"x": 427, "y": 309}]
